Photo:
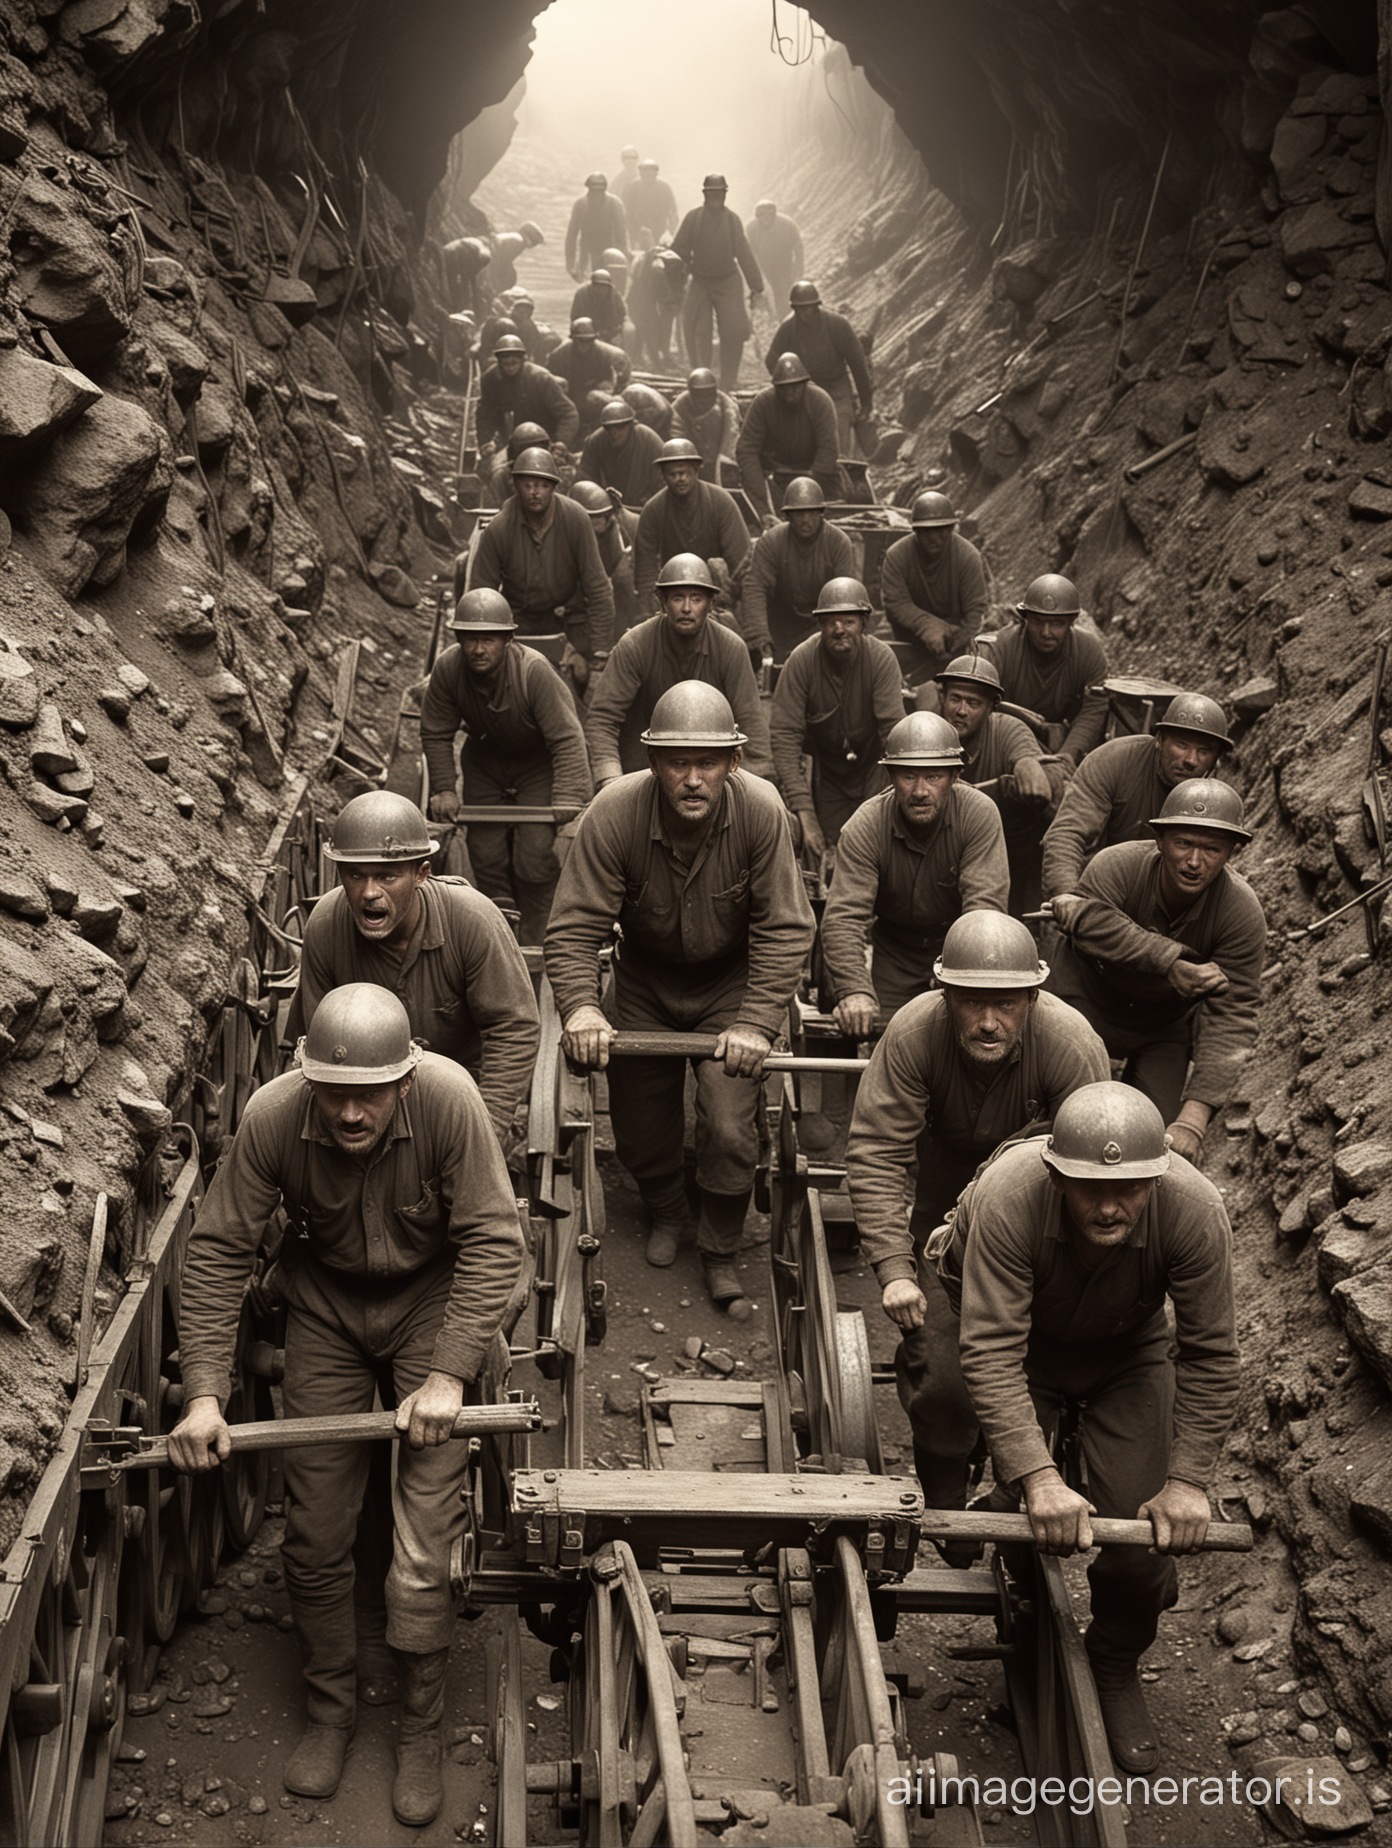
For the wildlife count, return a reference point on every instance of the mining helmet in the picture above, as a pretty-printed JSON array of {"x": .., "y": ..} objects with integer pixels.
[
  {"x": 973, "y": 670},
  {"x": 685, "y": 571},
  {"x": 843, "y": 596},
  {"x": 1108, "y": 1132},
  {"x": 802, "y": 492},
  {"x": 360, "y": 1034},
  {"x": 986, "y": 949},
  {"x": 932, "y": 509},
  {"x": 526, "y": 436},
  {"x": 647, "y": 166},
  {"x": 380, "y": 826},
  {"x": 1194, "y": 712},
  {"x": 1203, "y": 802},
  {"x": 1050, "y": 595},
  {"x": 510, "y": 343},
  {"x": 482, "y": 612},
  {"x": 536, "y": 462},
  {"x": 592, "y": 497},
  {"x": 629, "y": 153},
  {"x": 597, "y": 181},
  {"x": 715, "y": 182},
  {"x": 531, "y": 233},
  {"x": 678, "y": 449},
  {"x": 618, "y": 411},
  {"x": 765, "y": 209},
  {"x": 702, "y": 379},
  {"x": 693, "y": 715},
  {"x": 804, "y": 295},
  {"x": 583, "y": 329},
  {"x": 923, "y": 741},
  {"x": 613, "y": 259},
  {"x": 520, "y": 299},
  {"x": 789, "y": 370},
  {"x": 602, "y": 275}
]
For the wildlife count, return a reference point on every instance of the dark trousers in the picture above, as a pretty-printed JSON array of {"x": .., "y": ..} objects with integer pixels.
[
  {"x": 1156, "y": 1057},
  {"x": 513, "y": 865}
]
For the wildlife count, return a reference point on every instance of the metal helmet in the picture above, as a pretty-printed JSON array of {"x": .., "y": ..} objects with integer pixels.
[
  {"x": 520, "y": 299},
  {"x": 804, "y": 295},
  {"x": 1051, "y": 595},
  {"x": 932, "y": 509},
  {"x": 613, "y": 259},
  {"x": 715, "y": 182},
  {"x": 649, "y": 165},
  {"x": 583, "y": 329},
  {"x": 531, "y": 232},
  {"x": 843, "y": 596},
  {"x": 790, "y": 370},
  {"x": 976, "y": 670},
  {"x": 618, "y": 411},
  {"x": 360, "y": 1034},
  {"x": 1108, "y": 1132},
  {"x": 597, "y": 181},
  {"x": 629, "y": 153},
  {"x": 702, "y": 379},
  {"x": 693, "y": 714},
  {"x": 482, "y": 612},
  {"x": 802, "y": 491},
  {"x": 764, "y": 208},
  {"x": 510, "y": 343},
  {"x": 377, "y": 827},
  {"x": 526, "y": 436},
  {"x": 678, "y": 449},
  {"x": 924, "y": 740},
  {"x": 1204, "y": 802},
  {"x": 602, "y": 275},
  {"x": 685, "y": 571},
  {"x": 592, "y": 497},
  {"x": 536, "y": 462},
  {"x": 1194, "y": 712},
  {"x": 987, "y": 949}
]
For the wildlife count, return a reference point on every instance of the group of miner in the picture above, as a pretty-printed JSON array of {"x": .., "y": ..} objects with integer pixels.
[{"x": 1029, "y": 1218}]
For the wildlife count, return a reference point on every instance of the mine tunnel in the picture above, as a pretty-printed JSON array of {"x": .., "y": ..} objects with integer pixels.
[{"x": 1114, "y": 290}]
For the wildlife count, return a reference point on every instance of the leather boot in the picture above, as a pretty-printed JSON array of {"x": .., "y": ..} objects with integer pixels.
[
  {"x": 1130, "y": 1730},
  {"x": 718, "y": 1236},
  {"x": 328, "y": 1650},
  {"x": 665, "y": 1199},
  {"x": 316, "y": 1764},
  {"x": 418, "y": 1790}
]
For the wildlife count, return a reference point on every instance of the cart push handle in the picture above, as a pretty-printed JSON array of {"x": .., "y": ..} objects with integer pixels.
[{"x": 629, "y": 1045}]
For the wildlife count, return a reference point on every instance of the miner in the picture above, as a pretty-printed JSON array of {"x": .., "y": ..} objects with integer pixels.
[
  {"x": 711, "y": 242},
  {"x": 1058, "y": 1262},
  {"x": 689, "y": 515},
  {"x": 787, "y": 569},
  {"x": 650, "y": 205},
  {"x": 596, "y": 221},
  {"x": 514, "y": 391},
  {"x": 934, "y": 585},
  {"x": 777, "y": 243},
  {"x": 523, "y": 746},
  {"x": 684, "y": 644},
  {"x": 837, "y": 700},
  {"x": 709, "y": 418},
  {"x": 1050, "y": 666},
  {"x": 788, "y": 429},
  {"x": 524, "y": 436},
  {"x": 593, "y": 371},
  {"x": 909, "y": 862},
  {"x": 1121, "y": 784},
  {"x": 691, "y": 858},
  {"x": 601, "y": 302},
  {"x": 403, "y": 1252},
  {"x": 622, "y": 454},
  {"x": 830, "y": 348},
  {"x": 615, "y": 528}
]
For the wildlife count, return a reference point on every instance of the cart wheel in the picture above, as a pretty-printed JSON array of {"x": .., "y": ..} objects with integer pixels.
[{"x": 507, "y": 1738}]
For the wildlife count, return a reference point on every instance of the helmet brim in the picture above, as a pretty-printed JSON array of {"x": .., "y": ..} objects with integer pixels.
[
  {"x": 989, "y": 978},
  {"x": 685, "y": 741},
  {"x": 1159, "y": 823},
  {"x": 379, "y": 856},
  {"x": 321, "y": 1072},
  {"x": 1078, "y": 1170}
]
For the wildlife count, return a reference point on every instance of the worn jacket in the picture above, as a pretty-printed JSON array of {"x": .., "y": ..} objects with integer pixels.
[
  {"x": 527, "y": 717},
  {"x": 777, "y": 435},
  {"x": 832, "y": 720},
  {"x": 785, "y": 572},
  {"x": 953, "y": 590},
  {"x": 829, "y": 349},
  {"x": 556, "y": 574},
  {"x": 1057, "y": 687},
  {"x": 707, "y": 522},
  {"x": 536, "y": 396},
  {"x": 632, "y": 469},
  {"x": 712, "y": 244},
  {"x": 714, "y": 432},
  {"x": 1113, "y": 798}
]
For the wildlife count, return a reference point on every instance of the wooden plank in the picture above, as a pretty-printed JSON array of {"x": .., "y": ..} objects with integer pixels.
[
  {"x": 678, "y": 1493},
  {"x": 707, "y": 1392}
]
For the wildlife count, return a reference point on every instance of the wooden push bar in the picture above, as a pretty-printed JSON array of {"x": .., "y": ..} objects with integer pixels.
[
  {"x": 951, "y": 1524},
  {"x": 628, "y": 1045},
  {"x": 503, "y": 815}
]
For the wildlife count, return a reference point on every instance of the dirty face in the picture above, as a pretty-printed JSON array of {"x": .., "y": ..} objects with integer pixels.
[
  {"x": 966, "y": 709},
  {"x": 691, "y": 782},
  {"x": 841, "y": 634},
  {"x": 534, "y": 492},
  {"x": 792, "y": 393},
  {"x": 687, "y": 608},
  {"x": 921, "y": 793},
  {"x": 930, "y": 542},
  {"x": 1046, "y": 634},
  {"x": 511, "y": 364},
  {"x": 1190, "y": 860},
  {"x": 384, "y": 898},
  {"x": 358, "y": 1116},
  {"x": 806, "y": 312},
  {"x": 617, "y": 434},
  {"x": 1103, "y": 1211},
  {"x": 807, "y": 523},
  {"x": 680, "y": 477},
  {"x": 483, "y": 654},
  {"x": 1181, "y": 754},
  {"x": 988, "y": 1022}
]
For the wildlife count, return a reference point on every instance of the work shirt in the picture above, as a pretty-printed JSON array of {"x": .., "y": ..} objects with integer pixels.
[
  {"x": 644, "y": 664},
  {"x": 601, "y": 303},
  {"x": 650, "y": 205},
  {"x": 777, "y": 243},
  {"x": 536, "y": 396},
  {"x": 785, "y": 572},
  {"x": 553, "y": 578},
  {"x": 711, "y": 243},
  {"x": 632, "y": 469},
  {"x": 827, "y": 345},
  {"x": 953, "y": 589},
  {"x": 740, "y": 905},
  {"x": 380, "y": 1225},
  {"x": 776, "y": 434},
  {"x": 590, "y": 365},
  {"x": 523, "y": 718},
  {"x": 707, "y": 522},
  {"x": 1022, "y": 1285},
  {"x": 715, "y": 432},
  {"x": 912, "y": 888},
  {"x": 1119, "y": 950},
  {"x": 1000, "y": 747},
  {"x": 1058, "y": 686},
  {"x": 461, "y": 979},
  {"x": 597, "y": 224},
  {"x": 920, "y": 1081},
  {"x": 841, "y": 722},
  {"x": 1113, "y": 798}
]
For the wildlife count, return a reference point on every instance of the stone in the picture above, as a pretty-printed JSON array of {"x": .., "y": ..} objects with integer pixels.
[
  {"x": 1311, "y": 232},
  {"x": 110, "y": 31},
  {"x": 294, "y": 298},
  {"x": 71, "y": 276},
  {"x": 187, "y": 363},
  {"x": 62, "y": 891},
  {"x": 1312, "y": 1704},
  {"x": 157, "y": 761},
  {"x": 214, "y": 417},
  {"x": 19, "y": 691},
  {"x": 1303, "y": 1807},
  {"x": 1364, "y": 1302},
  {"x": 95, "y": 916},
  {"x": 1252, "y": 1652},
  {"x": 1295, "y": 1217},
  {"x": 1361, "y": 1168},
  {"x": 1370, "y": 1501},
  {"x": 133, "y": 679},
  {"x": 148, "y": 1117},
  {"x": 47, "y": 1133},
  {"x": 185, "y": 804},
  {"x": 1234, "y": 1623},
  {"x": 49, "y": 750},
  {"x": 1296, "y": 141},
  {"x": 20, "y": 896},
  {"x": 52, "y": 806},
  {"x": 1254, "y": 697},
  {"x": 81, "y": 780},
  {"x": 1369, "y": 500},
  {"x": 169, "y": 274},
  {"x": 115, "y": 702},
  {"x": 226, "y": 695},
  {"x": 1345, "y": 1250},
  {"x": 395, "y": 586},
  {"x": 101, "y": 485},
  {"x": 37, "y": 400},
  {"x": 1343, "y": 1739}
]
